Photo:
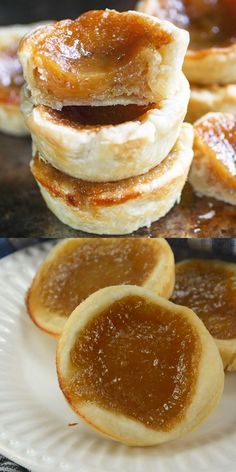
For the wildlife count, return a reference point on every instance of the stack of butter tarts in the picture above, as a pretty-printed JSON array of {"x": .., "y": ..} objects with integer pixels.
[
  {"x": 210, "y": 60},
  {"x": 105, "y": 102},
  {"x": 136, "y": 367}
]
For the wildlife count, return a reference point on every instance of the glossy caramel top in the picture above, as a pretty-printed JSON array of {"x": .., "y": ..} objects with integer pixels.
[
  {"x": 211, "y": 23},
  {"x": 81, "y": 269},
  {"x": 92, "y": 118},
  {"x": 218, "y": 133},
  {"x": 137, "y": 359},
  {"x": 11, "y": 76},
  {"x": 99, "y": 52},
  {"x": 209, "y": 289}
]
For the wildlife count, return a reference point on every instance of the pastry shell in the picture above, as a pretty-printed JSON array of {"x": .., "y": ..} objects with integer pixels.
[
  {"x": 160, "y": 280},
  {"x": 117, "y": 207},
  {"x": 109, "y": 152},
  {"x": 214, "y": 98},
  {"x": 209, "y": 66},
  {"x": 209, "y": 373},
  {"x": 213, "y": 170},
  {"x": 157, "y": 65}
]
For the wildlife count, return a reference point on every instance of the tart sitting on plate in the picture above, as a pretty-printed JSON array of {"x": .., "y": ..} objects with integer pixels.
[
  {"x": 137, "y": 368},
  {"x": 75, "y": 268}
]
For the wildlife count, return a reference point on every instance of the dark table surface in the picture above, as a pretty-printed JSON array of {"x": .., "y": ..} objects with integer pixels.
[{"x": 22, "y": 210}]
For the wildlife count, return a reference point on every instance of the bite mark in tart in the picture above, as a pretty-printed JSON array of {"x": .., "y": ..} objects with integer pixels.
[
  {"x": 212, "y": 27},
  {"x": 137, "y": 368},
  {"x": 209, "y": 289},
  {"x": 103, "y": 58},
  {"x": 75, "y": 268},
  {"x": 117, "y": 207},
  {"x": 110, "y": 143},
  {"x": 213, "y": 171}
]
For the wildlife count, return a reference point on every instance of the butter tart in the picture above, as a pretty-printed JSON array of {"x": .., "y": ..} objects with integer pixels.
[
  {"x": 212, "y": 26},
  {"x": 137, "y": 368},
  {"x": 75, "y": 268},
  {"x": 11, "y": 80},
  {"x": 215, "y": 98},
  {"x": 103, "y": 58},
  {"x": 213, "y": 172},
  {"x": 208, "y": 287},
  {"x": 117, "y": 207},
  {"x": 107, "y": 143}
]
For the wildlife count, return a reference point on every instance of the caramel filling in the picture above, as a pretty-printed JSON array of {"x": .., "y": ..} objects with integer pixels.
[
  {"x": 211, "y": 23},
  {"x": 209, "y": 289},
  {"x": 139, "y": 360},
  {"x": 219, "y": 134},
  {"x": 82, "y": 117},
  {"x": 11, "y": 77},
  {"x": 99, "y": 53},
  {"x": 81, "y": 269}
]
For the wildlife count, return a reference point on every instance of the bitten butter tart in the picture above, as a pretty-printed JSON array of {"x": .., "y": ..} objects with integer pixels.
[
  {"x": 75, "y": 268},
  {"x": 103, "y": 58},
  {"x": 209, "y": 288},
  {"x": 137, "y": 368}
]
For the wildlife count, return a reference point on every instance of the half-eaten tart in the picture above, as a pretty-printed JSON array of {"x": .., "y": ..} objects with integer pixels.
[
  {"x": 208, "y": 287},
  {"x": 215, "y": 98},
  {"x": 137, "y": 368},
  {"x": 104, "y": 144},
  {"x": 103, "y": 58},
  {"x": 213, "y": 172},
  {"x": 75, "y": 268},
  {"x": 212, "y": 26},
  {"x": 11, "y": 79},
  {"x": 117, "y": 207}
]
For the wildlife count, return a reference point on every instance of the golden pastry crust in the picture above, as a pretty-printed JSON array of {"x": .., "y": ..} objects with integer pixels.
[
  {"x": 11, "y": 79},
  {"x": 226, "y": 272},
  {"x": 107, "y": 152},
  {"x": 214, "y": 98},
  {"x": 213, "y": 171},
  {"x": 64, "y": 64},
  {"x": 208, "y": 372},
  {"x": 214, "y": 62},
  {"x": 157, "y": 275},
  {"x": 117, "y": 207}
]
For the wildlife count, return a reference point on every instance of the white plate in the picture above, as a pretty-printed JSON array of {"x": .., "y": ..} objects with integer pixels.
[{"x": 34, "y": 416}]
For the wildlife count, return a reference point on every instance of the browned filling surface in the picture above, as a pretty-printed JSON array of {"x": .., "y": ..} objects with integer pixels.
[
  {"x": 82, "y": 269},
  {"x": 210, "y": 290},
  {"x": 94, "y": 117},
  {"x": 137, "y": 359},
  {"x": 98, "y": 53},
  {"x": 11, "y": 77},
  {"x": 218, "y": 133},
  {"x": 211, "y": 23},
  {"x": 79, "y": 193}
]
